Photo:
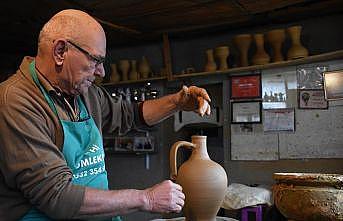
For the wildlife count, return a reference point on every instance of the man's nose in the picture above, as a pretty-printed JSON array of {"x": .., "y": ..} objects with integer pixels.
[{"x": 100, "y": 70}]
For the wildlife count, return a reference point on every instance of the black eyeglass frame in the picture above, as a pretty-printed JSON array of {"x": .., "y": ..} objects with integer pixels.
[{"x": 97, "y": 59}]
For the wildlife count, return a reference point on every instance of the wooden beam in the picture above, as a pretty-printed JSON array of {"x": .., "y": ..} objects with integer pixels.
[
  {"x": 167, "y": 57},
  {"x": 118, "y": 27}
]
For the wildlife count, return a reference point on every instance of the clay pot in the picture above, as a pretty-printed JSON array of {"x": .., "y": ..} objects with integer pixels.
[
  {"x": 144, "y": 68},
  {"x": 309, "y": 196},
  {"x": 114, "y": 77},
  {"x": 221, "y": 54},
  {"x": 276, "y": 38},
  {"x": 297, "y": 50},
  {"x": 260, "y": 56},
  {"x": 133, "y": 73},
  {"x": 242, "y": 43},
  {"x": 211, "y": 65},
  {"x": 124, "y": 67},
  {"x": 203, "y": 181}
]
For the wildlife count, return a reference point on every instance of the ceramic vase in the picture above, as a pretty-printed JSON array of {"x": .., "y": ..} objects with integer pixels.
[
  {"x": 203, "y": 181},
  {"x": 114, "y": 77},
  {"x": 260, "y": 56},
  {"x": 309, "y": 196},
  {"x": 297, "y": 50},
  {"x": 222, "y": 54},
  {"x": 144, "y": 68},
  {"x": 243, "y": 42},
  {"x": 124, "y": 67},
  {"x": 211, "y": 65},
  {"x": 276, "y": 38},
  {"x": 133, "y": 73}
]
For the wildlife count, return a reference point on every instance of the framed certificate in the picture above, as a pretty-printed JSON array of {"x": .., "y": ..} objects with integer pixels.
[
  {"x": 243, "y": 87},
  {"x": 312, "y": 99},
  {"x": 333, "y": 85},
  {"x": 282, "y": 119},
  {"x": 246, "y": 112}
]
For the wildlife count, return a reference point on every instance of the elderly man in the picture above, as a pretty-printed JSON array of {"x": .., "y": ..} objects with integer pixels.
[{"x": 52, "y": 117}]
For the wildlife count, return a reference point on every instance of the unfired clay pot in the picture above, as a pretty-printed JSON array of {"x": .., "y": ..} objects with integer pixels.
[
  {"x": 309, "y": 196},
  {"x": 276, "y": 38},
  {"x": 144, "y": 68},
  {"x": 222, "y": 53},
  {"x": 124, "y": 67},
  {"x": 203, "y": 181},
  {"x": 114, "y": 77},
  {"x": 260, "y": 56},
  {"x": 211, "y": 65},
  {"x": 297, "y": 50},
  {"x": 133, "y": 73},
  {"x": 242, "y": 43}
]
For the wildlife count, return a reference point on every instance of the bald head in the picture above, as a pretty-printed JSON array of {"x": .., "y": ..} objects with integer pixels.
[{"x": 71, "y": 24}]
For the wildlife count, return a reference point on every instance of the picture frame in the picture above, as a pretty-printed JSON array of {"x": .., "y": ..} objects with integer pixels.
[
  {"x": 280, "y": 119},
  {"x": 246, "y": 87},
  {"x": 246, "y": 112},
  {"x": 312, "y": 99},
  {"x": 333, "y": 85},
  {"x": 134, "y": 144}
]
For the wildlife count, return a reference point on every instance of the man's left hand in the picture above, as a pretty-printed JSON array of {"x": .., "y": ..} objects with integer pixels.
[{"x": 193, "y": 99}]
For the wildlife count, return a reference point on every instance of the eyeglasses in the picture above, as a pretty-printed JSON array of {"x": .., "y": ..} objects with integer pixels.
[{"x": 97, "y": 59}]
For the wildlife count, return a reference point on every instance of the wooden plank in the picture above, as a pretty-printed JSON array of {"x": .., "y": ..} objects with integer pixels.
[
  {"x": 242, "y": 70},
  {"x": 167, "y": 57}
]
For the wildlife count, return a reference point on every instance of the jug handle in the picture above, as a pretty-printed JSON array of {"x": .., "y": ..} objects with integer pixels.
[{"x": 173, "y": 155}]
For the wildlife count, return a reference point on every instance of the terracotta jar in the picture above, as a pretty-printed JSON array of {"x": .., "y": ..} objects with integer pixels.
[
  {"x": 133, "y": 73},
  {"x": 114, "y": 77},
  {"x": 260, "y": 56},
  {"x": 309, "y": 196},
  {"x": 222, "y": 53},
  {"x": 203, "y": 181},
  {"x": 124, "y": 67},
  {"x": 297, "y": 50},
  {"x": 211, "y": 65},
  {"x": 242, "y": 43},
  {"x": 276, "y": 38}
]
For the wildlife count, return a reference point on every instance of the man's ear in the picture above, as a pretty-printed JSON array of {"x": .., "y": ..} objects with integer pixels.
[{"x": 60, "y": 47}]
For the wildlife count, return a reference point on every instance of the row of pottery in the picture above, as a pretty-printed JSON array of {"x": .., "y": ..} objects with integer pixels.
[
  {"x": 127, "y": 70},
  {"x": 243, "y": 42}
]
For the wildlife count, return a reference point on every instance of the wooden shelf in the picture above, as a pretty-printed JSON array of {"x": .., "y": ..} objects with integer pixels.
[
  {"x": 240, "y": 70},
  {"x": 133, "y": 82}
]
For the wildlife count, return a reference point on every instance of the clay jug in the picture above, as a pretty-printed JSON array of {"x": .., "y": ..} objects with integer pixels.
[
  {"x": 203, "y": 181},
  {"x": 114, "y": 77},
  {"x": 297, "y": 50},
  {"x": 242, "y": 43},
  {"x": 124, "y": 67},
  {"x": 144, "y": 68},
  {"x": 276, "y": 38},
  {"x": 221, "y": 54},
  {"x": 133, "y": 73},
  {"x": 211, "y": 65},
  {"x": 260, "y": 56}
]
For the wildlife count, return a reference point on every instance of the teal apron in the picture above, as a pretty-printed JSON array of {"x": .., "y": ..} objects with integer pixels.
[{"x": 82, "y": 149}]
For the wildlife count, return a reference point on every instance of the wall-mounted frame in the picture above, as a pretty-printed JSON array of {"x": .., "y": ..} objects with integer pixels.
[
  {"x": 246, "y": 87},
  {"x": 281, "y": 119},
  {"x": 333, "y": 85},
  {"x": 134, "y": 144},
  {"x": 246, "y": 112},
  {"x": 312, "y": 99}
]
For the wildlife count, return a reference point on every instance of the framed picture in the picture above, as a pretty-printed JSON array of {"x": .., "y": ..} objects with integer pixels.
[
  {"x": 312, "y": 99},
  {"x": 282, "y": 119},
  {"x": 243, "y": 87},
  {"x": 246, "y": 112},
  {"x": 134, "y": 144},
  {"x": 333, "y": 85}
]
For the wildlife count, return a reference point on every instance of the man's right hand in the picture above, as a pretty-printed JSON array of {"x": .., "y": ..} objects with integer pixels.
[{"x": 164, "y": 197}]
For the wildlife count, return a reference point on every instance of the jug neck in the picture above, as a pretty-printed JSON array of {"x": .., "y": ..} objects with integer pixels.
[{"x": 200, "y": 151}]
